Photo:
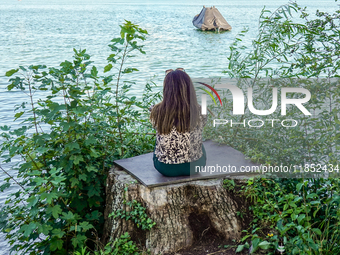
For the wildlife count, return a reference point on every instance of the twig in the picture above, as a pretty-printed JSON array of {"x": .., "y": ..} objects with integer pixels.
[
  {"x": 12, "y": 177},
  {"x": 211, "y": 112},
  {"x": 204, "y": 231}
]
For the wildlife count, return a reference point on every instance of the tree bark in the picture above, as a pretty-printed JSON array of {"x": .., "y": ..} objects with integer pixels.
[{"x": 184, "y": 213}]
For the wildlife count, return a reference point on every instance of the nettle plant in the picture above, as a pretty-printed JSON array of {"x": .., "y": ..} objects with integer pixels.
[{"x": 67, "y": 141}]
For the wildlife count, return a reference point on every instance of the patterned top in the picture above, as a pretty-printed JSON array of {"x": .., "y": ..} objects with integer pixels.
[{"x": 177, "y": 148}]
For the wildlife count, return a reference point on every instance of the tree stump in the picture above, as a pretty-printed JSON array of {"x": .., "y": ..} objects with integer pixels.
[{"x": 183, "y": 212}]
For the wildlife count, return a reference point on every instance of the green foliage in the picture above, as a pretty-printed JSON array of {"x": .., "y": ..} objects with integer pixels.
[
  {"x": 289, "y": 48},
  {"x": 136, "y": 213},
  {"x": 120, "y": 246},
  {"x": 67, "y": 140},
  {"x": 82, "y": 251},
  {"x": 123, "y": 245},
  {"x": 303, "y": 214},
  {"x": 229, "y": 184}
]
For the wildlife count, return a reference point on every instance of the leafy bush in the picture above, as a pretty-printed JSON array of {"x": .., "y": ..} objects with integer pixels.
[
  {"x": 67, "y": 142},
  {"x": 291, "y": 50},
  {"x": 301, "y": 214}
]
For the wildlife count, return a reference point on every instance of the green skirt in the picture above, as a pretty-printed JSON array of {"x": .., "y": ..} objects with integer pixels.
[{"x": 182, "y": 169}]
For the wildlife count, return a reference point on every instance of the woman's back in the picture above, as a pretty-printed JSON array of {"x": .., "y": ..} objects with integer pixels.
[{"x": 179, "y": 125}]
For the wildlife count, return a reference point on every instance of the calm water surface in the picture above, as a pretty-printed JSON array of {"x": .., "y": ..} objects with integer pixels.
[{"x": 45, "y": 32}]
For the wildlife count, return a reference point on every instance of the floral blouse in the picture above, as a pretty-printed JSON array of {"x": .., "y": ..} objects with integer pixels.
[{"x": 177, "y": 148}]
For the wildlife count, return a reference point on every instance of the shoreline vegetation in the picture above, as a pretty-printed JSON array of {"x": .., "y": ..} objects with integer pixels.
[{"x": 67, "y": 146}]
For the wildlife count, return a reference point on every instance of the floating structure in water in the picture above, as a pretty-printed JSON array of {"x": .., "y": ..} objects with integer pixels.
[{"x": 210, "y": 19}]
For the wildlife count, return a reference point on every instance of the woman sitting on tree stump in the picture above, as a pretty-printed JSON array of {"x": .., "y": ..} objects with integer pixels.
[{"x": 179, "y": 124}]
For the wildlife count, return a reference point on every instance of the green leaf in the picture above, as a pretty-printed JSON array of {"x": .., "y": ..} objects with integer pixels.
[
  {"x": 78, "y": 240},
  {"x": 76, "y": 228},
  {"x": 11, "y": 72},
  {"x": 107, "y": 79},
  {"x": 77, "y": 158},
  {"x": 285, "y": 207},
  {"x": 38, "y": 181},
  {"x": 56, "y": 244},
  {"x": 264, "y": 245},
  {"x": 18, "y": 115},
  {"x": 239, "y": 248},
  {"x": 5, "y": 128},
  {"x": 83, "y": 177},
  {"x": 255, "y": 242},
  {"x": 67, "y": 216},
  {"x": 71, "y": 146},
  {"x": 91, "y": 168},
  {"x": 74, "y": 182},
  {"x": 85, "y": 225},
  {"x": 94, "y": 215},
  {"x": 42, "y": 150},
  {"x": 55, "y": 210},
  {"x": 4, "y": 186},
  {"x": 93, "y": 191},
  {"x": 301, "y": 217},
  {"x": 58, "y": 232},
  {"x": 94, "y": 71},
  {"x": 293, "y": 216},
  {"x": 28, "y": 229},
  {"x": 94, "y": 153},
  {"x": 317, "y": 231},
  {"x": 32, "y": 200},
  {"x": 45, "y": 229},
  {"x": 90, "y": 140},
  {"x": 49, "y": 196},
  {"x": 298, "y": 186},
  {"x": 130, "y": 70},
  {"x": 107, "y": 68},
  {"x": 112, "y": 58},
  {"x": 118, "y": 40},
  {"x": 312, "y": 195}
]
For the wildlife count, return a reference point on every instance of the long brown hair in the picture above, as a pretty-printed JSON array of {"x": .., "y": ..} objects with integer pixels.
[{"x": 179, "y": 107}]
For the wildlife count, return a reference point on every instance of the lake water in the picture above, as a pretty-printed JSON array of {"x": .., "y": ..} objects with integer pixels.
[{"x": 45, "y": 32}]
